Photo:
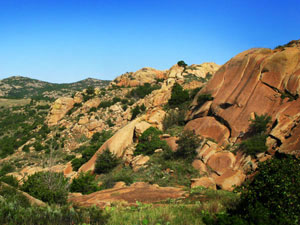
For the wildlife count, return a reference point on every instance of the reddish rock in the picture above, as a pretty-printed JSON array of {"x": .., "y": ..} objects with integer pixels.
[
  {"x": 221, "y": 162},
  {"x": 230, "y": 178},
  {"x": 200, "y": 166},
  {"x": 206, "y": 182},
  {"x": 171, "y": 141},
  {"x": 140, "y": 191},
  {"x": 209, "y": 127}
]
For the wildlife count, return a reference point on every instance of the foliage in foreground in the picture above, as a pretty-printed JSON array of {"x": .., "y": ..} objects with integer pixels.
[
  {"x": 47, "y": 186},
  {"x": 16, "y": 209},
  {"x": 257, "y": 136},
  {"x": 85, "y": 183},
  {"x": 106, "y": 162},
  {"x": 272, "y": 197}
]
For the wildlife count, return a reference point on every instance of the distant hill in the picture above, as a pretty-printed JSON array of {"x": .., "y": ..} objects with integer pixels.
[{"x": 18, "y": 87}]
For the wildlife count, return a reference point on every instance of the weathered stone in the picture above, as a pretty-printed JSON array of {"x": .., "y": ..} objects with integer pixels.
[
  {"x": 221, "y": 162},
  {"x": 140, "y": 191},
  {"x": 200, "y": 166},
  {"x": 139, "y": 162},
  {"x": 230, "y": 178},
  {"x": 206, "y": 182},
  {"x": 209, "y": 127},
  {"x": 59, "y": 109}
]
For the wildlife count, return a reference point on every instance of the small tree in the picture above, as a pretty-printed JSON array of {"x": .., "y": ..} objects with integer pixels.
[
  {"x": 149, "y": 142},
  {"x": 47, "y": 186},
  {"x": 84, "y": 183},
  {"x": 178, "y": 95},
  {"x": 181, "y": 63},
  {"x": 106, "y": 162},
  {"x": 259, "y": 124},
  {"x": 188, "y": 142}
]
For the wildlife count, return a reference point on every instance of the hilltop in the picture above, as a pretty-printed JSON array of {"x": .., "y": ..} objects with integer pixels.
[{"x": 18, "y": 87}]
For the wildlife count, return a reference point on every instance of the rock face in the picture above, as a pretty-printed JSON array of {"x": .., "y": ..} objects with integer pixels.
[
  {"x": 254, "y": 81},
  {"x": 140, "y": 191},
  {"x": 59, "y": 109},
  {"x": 117, "y": 144},
  {"x": 144, "y": 75},
  {"x": 209, "y": 127}
]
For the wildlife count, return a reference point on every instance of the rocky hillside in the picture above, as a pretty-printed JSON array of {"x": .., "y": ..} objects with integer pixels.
[
  {"x": 23, "y": 87},
  {"x": 197, "y": 125}
]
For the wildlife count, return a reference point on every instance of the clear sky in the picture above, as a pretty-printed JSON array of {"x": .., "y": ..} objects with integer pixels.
[{"x": 70, "y": 40}]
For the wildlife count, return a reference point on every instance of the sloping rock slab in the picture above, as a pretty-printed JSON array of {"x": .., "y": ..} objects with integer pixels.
[{"x": 140, "y": 191}]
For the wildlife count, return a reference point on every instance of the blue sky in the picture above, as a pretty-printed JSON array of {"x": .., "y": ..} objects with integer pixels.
[{"x": 70, "y": 40}]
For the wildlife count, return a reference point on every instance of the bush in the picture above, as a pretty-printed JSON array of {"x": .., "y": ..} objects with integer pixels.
[
  {"x": 47, "y": 186},
  {"x": 85, "y": 183},
  {"x": 204, "y": 98},
  {"x": 174, "y": 118},
  {"x": 149, "y": 142},
  {"x": 188, "y": 142},
  {"x": 181, "y": 63},
  {"x": 6, "y": 168},
  {"x": 259, "y": 124},
  {"x": 11, "y": 180},
  {"x": 254, "y": 145},
  {"x": 106, "y": 162},
  {"x": 271, "y": 198},
  {"x": 178, "y": 95},
  {"x": 142, "y": 91},
  {"x": 256, "y": 141},
  {"x": 11, "y": 212},
  {"x": 77, "y": 163},
  {"x": 135, "y": 111}
]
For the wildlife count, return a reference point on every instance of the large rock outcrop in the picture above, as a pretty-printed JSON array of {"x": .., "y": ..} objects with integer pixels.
[
  {"x": 139, "y": 191},
  {"x": 256, "y": 81},
  {"x": 59, "y": 109}
]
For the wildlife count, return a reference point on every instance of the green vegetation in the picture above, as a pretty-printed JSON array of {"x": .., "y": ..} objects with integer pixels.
[
  {"x": 142, "y": 91},
  {"x": 106, "y": 162},
  {"x": 90, "y": 149},
  {"x": 174, "y": 118},
  {"x": 149, "y": 142},
  {"x": 204, "y": 98},
  {"x": 16, "y": 209},
  {"x": 257, "y": 136},
  {"x": 20, "y": 124},
  {"x": 271, "y": 198},
  {"x": 42, "y": 89},
  {"x": 47, "y": 186},
  {"x": 137, "y": 110},
  {"x": 178, "y": 96},
  {"x": 85, "y": 183},
  {"x": 188, "y": 142},
  {"x": 181, "y": 63}
]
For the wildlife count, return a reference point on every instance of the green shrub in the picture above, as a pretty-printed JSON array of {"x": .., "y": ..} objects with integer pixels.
[
  {"x": 174, "y": 118},
  {"x": 256, "y": 137},
  {"x": 259, "y": 124},
  {"x": 181, "y": 63},
  {"x": 6, "y": 168},
  {"x": 135, "y": 111},
  {"x": 188, "y": 142},
  {"x": 47, "y": 186},
  {"x": 271, "y": 198},
  {"x": 11, "y": 212},
  {"x": 26, "y": 148},
  {"x": 110, "y": 123},
  {"x": 178, "y": 95},
  {"x": 254, "y": 145},
  {"x": 77, "y": 163},
  {"x": 149, "y": 142},
  {"x": 204, "y": 98},
  {"x": 142, "y": 91},
  {"x": 90, "y": 90},
  {"x": 85, "y": 183},
  {"x": 106, "y": 162},
  {"x": 11, "y": 180}
]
